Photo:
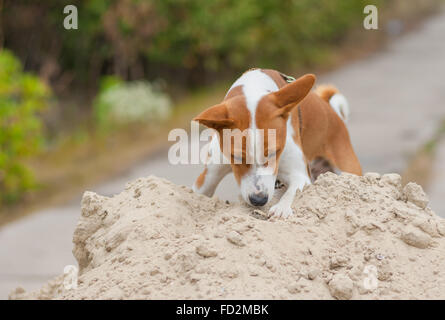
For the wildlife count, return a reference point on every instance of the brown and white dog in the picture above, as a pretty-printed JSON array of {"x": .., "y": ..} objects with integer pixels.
[{"x": 308, "y": 125}]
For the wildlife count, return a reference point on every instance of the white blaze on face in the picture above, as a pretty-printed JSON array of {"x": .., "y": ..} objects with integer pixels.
[
  {"x": 256, "y": 181},
  {"x": 260, "y": 178}
]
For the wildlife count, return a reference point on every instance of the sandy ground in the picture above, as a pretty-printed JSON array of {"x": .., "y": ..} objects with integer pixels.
[
  {"x": 350, "y": 237},
  {"x": 396, "y": 97}
]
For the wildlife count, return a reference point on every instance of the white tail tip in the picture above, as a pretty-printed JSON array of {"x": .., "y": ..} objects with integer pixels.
[{"x": 339, "y": 103}]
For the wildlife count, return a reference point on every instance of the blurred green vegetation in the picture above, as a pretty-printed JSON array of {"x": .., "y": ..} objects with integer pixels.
[
  {"x": 121, "y": 103},
  {"x": 22, "y": 97},
  {"x": 187, "y": 42}
]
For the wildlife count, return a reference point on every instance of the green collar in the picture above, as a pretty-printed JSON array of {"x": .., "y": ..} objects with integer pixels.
[{"x": 287, "y": 78}]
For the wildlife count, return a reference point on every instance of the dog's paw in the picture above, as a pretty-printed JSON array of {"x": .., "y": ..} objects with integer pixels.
[{"x": 281, "y": 210}]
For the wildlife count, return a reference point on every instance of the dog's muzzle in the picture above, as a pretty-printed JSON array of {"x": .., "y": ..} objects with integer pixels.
[{"x": 258, "y": 199}]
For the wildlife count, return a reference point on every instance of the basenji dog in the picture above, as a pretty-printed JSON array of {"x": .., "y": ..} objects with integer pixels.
[{"x": 308, "y": 125}]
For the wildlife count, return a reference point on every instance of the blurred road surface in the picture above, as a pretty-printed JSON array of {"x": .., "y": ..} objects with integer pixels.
[
  {"x": 396, "y": 97},
  {"x": 436, "y": 190}
]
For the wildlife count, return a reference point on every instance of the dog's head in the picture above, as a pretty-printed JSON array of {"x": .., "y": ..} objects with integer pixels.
[{"x": 253, "y": 136}]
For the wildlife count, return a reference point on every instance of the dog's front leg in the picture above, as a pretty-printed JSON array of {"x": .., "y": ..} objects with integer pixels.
[
  {"x": 215, "y": 170},
  {"x": 283, "y": 207},
  {"x": 209, "y": 179}
]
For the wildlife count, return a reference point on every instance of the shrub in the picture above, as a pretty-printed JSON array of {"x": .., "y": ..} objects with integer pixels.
[
  {"x": 122, "y": 103},
  {"x": 22, "y": 96},
  {"x": 185, "y": 42}
]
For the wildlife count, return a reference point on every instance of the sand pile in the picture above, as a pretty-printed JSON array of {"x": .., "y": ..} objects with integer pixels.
[{"x": 351, "y": 237}]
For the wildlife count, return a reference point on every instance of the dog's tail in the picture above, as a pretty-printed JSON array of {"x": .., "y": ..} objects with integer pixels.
[{"x": 338, "y": 102}]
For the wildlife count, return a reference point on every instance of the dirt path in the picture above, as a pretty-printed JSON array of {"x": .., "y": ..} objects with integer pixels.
[
  {"x": 396, "y": 98},
  {"x": 436, "y": 190}
]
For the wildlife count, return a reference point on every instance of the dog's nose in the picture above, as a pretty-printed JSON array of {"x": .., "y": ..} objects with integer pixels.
[{"x": 258, "y": 199}]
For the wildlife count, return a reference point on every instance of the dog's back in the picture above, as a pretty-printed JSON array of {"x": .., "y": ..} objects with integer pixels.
[{"x": 319, "y": 123}]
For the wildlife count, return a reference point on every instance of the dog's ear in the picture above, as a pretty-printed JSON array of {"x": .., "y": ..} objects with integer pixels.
[
  {"x": 216, "y": 117},
  {"x": 290, "y": 95}
]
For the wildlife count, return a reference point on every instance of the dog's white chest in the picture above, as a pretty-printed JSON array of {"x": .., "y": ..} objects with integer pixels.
[{"x": 292, "y": 158}]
